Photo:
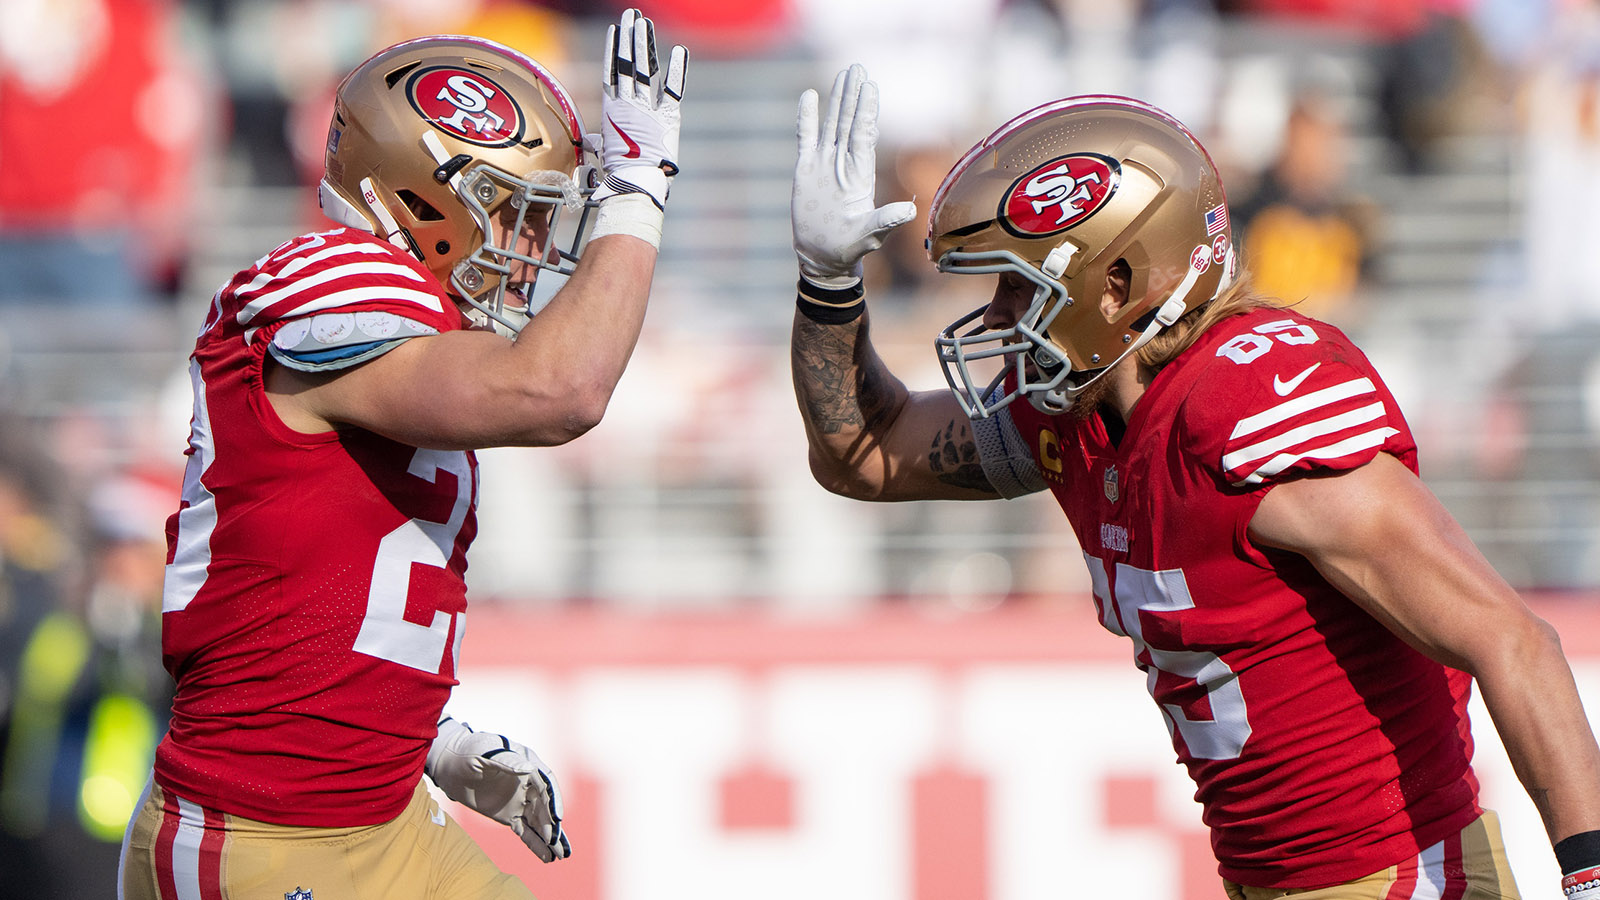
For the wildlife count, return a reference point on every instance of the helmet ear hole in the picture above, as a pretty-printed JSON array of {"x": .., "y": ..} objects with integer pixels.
[
  {"x": 1119, "y": 280},
  {"x": 420, "y": 208}
]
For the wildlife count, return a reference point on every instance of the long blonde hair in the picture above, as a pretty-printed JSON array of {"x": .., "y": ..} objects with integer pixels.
[{"x": 1240, "y": 297}]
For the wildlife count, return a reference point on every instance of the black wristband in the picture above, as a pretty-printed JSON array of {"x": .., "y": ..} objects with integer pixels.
[
  {"x": 828, "y": 315},
  {"x": 830, "y": 296},
  {"x": 1579, "y": 852},
  {"x": 830, "y": 306}
]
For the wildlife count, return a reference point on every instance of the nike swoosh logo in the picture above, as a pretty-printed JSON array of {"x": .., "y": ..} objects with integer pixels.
[
  {"x": 1285, "y": 388},
  {"x": 633, "y": 146}
]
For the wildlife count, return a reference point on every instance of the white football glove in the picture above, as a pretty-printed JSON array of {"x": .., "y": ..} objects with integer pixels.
[
  {"x": 503, "y": 780},
  {"x": 639, "y": 112},
  {"x": 835, "y": 221}
]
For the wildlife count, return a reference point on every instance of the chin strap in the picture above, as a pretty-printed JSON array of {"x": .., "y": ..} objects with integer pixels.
[
  {"x": 1177, "y": 304},
  {"x": 1060, "y": 399},
  {"x": 391, "y": 229}
]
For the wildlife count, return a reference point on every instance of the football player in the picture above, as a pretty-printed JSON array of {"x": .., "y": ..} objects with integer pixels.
[
  {"x": 314, "y": 602},
  {"x": 1242, "y": 485}
]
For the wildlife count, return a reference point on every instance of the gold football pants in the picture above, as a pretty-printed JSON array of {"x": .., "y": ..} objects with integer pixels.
[
  {"x": 178, "y": 850},
  {"x": 1466, "y": 866}
]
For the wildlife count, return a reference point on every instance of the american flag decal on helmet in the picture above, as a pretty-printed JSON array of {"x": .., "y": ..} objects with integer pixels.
[{"x": 1217, "y": 219}]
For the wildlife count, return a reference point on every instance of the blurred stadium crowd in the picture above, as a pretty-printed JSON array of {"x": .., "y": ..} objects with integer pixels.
[{"x": 1424, "y": 172}]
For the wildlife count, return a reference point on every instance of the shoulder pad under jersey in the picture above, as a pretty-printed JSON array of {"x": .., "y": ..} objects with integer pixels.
[{"x": 331, "y": 341}]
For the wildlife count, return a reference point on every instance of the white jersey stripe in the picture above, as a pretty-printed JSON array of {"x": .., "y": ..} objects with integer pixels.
[
  {"x": 358, "y": 295},
  {"x": 1292, "y": 408},
  {"x": 300, "y": 262},
  {"x": 1431, "y": 878},
  {"x": 186, "y": 574},
  {"x": 261, "y": 280},
  {"x": 291, "y": 251},
  {"x": 355, "y": 295},
  {"x": 1363, "y": 441},
  {"x": 186, "y": 849},
  {"x": 297, "y": 262},
  {"x": 1305, "y": 432},
  {"x": 214, "y": 315},
  {"x": 352, "y": 270},
  {"x": 1100, "y": 589}
]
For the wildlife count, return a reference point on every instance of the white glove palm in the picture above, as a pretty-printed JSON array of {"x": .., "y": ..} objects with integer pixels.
[
  {"x": 503, "y": 780},
  {"x": 835, "y": 220},
  {"x": 640, "y": 112}
]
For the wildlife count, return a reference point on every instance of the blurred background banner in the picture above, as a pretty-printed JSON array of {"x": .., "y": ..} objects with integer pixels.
[
  {"x": 1427, "y": 172},
  {"x": 1004, "y": 756}
]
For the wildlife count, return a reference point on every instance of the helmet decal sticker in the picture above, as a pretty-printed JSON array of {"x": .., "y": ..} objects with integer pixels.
[
  {"x": 1059, "y": 194},
  {"x": 1219, "y": 249},
  {"x": 466, "y": 105},
  {"x": 1217, "y": 218}
]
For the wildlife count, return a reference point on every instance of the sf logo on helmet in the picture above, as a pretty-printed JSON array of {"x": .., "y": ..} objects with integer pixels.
[
  {"x": 1059, "y": 194},
  {"x": 467, "y": 105}
]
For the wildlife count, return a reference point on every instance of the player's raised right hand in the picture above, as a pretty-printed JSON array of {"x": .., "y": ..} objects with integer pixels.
[{"x": 835, "y": 220}]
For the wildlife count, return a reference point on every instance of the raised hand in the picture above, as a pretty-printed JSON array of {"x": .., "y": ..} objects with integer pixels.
[
  {"x": 835, "y": 220},
  {"x": 639, "y": 111}
]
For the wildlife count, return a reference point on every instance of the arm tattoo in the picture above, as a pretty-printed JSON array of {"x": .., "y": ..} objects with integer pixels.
[
  {"x": 953, "y": 457},
  {"x": 841, "y": 383}
]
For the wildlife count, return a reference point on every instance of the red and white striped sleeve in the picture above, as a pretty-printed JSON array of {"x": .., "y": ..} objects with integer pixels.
[
  {"x": 1278, "y": 397},
  {"x": 1339, "y": 426},
  {"x": 336, "y": 272}
]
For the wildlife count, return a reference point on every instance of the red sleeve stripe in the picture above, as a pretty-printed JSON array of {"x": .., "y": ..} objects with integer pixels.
[
  {"x": 1292, "y": 408},
  {"x": 273, "y": 265},
  {"x": 296, "y": 261},
  {"x": 1337, "y": 450}
]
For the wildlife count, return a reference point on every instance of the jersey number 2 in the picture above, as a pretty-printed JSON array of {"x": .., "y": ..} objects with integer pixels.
[
  {"x": 385, "y": 631},
  {"x": 1166, "y": 593}
]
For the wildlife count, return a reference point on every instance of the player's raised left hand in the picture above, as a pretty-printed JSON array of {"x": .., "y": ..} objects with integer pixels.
[{"x": 503, "y": 780}]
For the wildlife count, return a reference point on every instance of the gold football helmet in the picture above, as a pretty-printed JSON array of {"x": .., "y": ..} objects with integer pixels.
[
  {"x": 465, "y": 153},
  {"x": 1059, "y": 195}
]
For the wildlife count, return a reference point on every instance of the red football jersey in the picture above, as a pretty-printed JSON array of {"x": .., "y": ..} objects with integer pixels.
[
  {"x": 315, "y": 600},
  {"x": 1323, "y": 747}
]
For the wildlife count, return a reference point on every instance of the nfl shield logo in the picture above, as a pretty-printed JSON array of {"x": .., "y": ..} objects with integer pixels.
[
  {"x": 298, "y": 893},
  {"x": 1111, "y": 483}
]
